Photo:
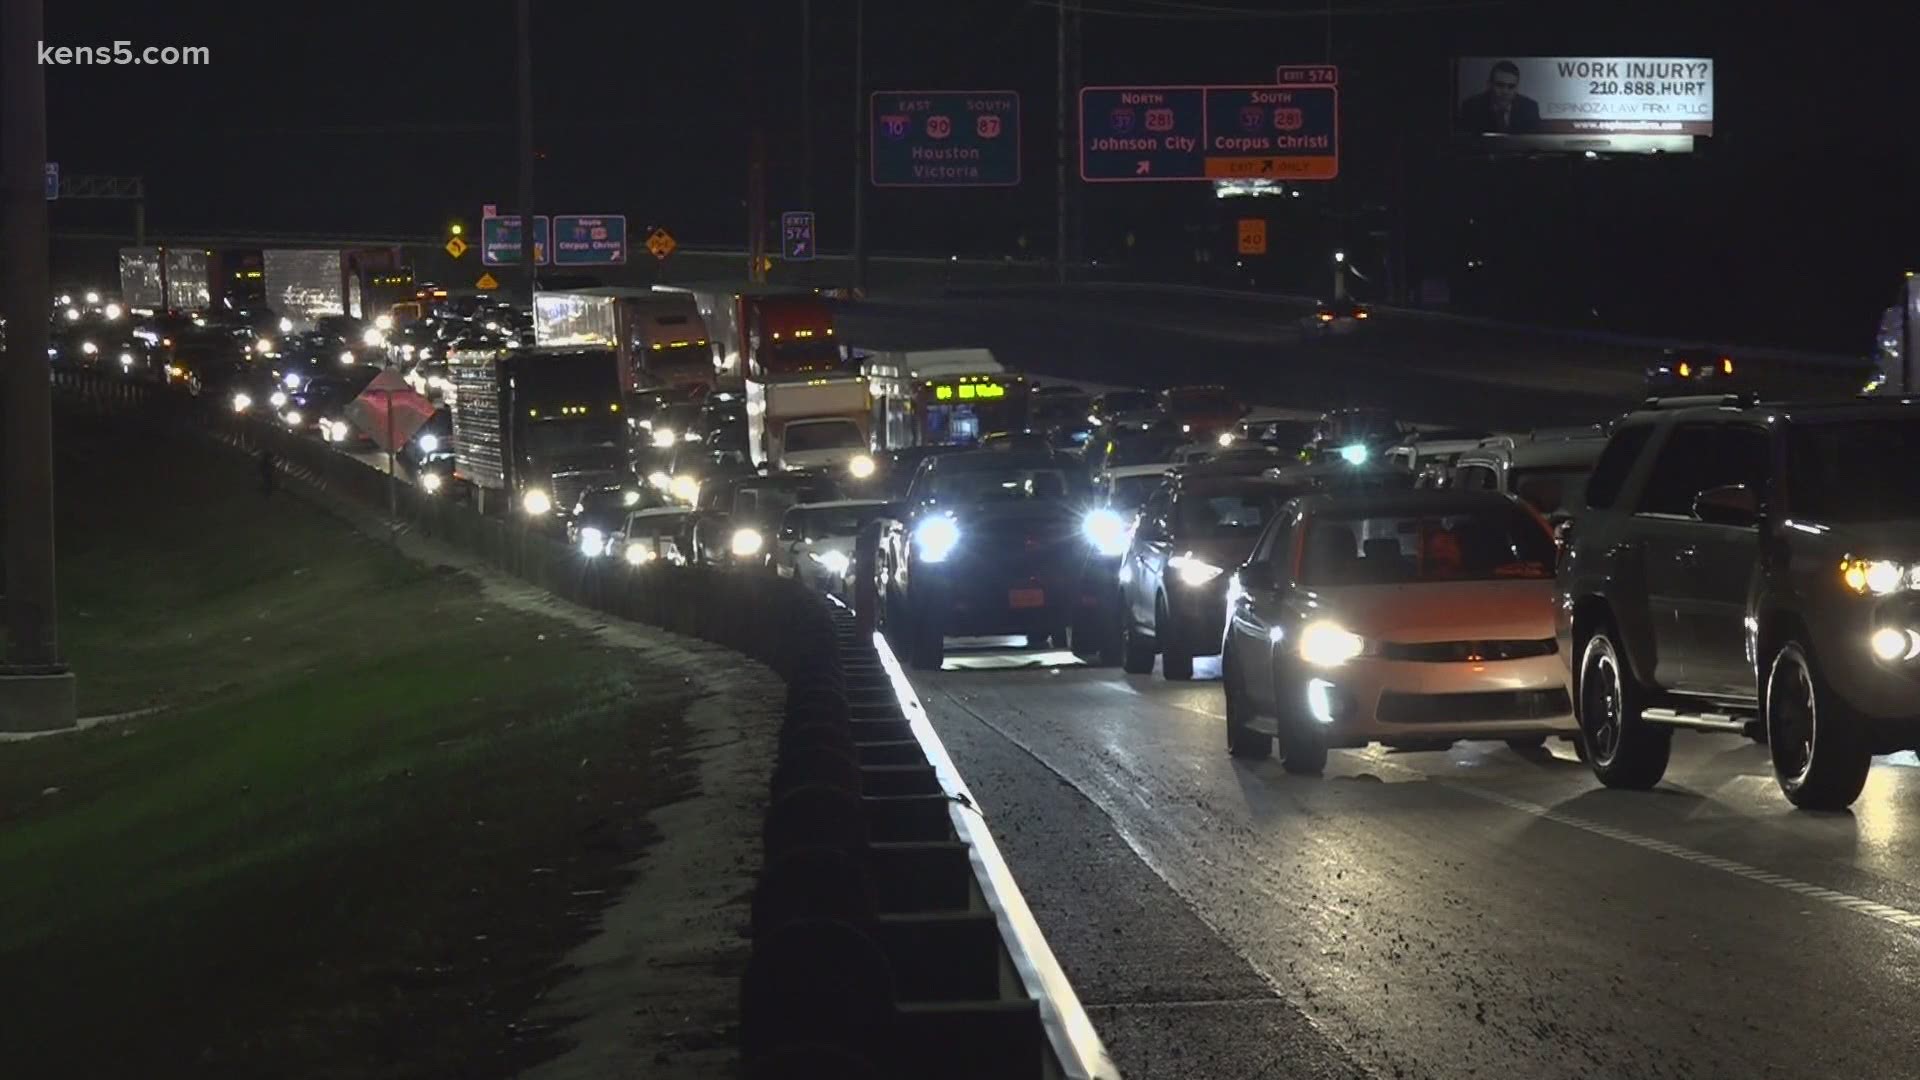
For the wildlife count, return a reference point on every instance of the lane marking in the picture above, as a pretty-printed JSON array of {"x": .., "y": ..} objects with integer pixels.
[{"x": 1887, "y": 913}]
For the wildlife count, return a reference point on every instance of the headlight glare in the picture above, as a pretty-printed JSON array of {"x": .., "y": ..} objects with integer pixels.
[
  {"x": 430, "y": 483},
  {"x": 637, "y": 555},
  {"x": 1193, "y": 572},
  {"x": 536, "y": 502},
  {"x": 861, "y": 466},
  {"x": 936, "y": 537},
  {"x": 685, "y": 488},
  {"x": 1328, "y": 644},
  {"x": 833, "y": 562},
  {"x": 746, "y": 543},
  {"x": 1106, "y": 530},
  {"x": 592, "y": 542}
]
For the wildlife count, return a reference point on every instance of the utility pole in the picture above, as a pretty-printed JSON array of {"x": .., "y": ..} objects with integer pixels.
[
  {"x": 757, "y": 207},
  {"x": 1060, "y": 143},
  {"x": 860, "y": 146},
  {"x": 523, "y": 70},
  {"x": 36, "y": 689}
]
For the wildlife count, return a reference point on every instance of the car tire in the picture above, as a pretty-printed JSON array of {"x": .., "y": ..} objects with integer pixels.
[
  {"x": 1176, "y": 663},
  {"x": 1528, "y": 743},
  {"x": 1136, "y": 649},
  {"x": 1303, "y": 748},
  {"x": 928, "y": 648},
  {"x": 1623, "y": 750},
  {"x": 1242, "y": 742},
  {"x": 1819, "y": 759}
]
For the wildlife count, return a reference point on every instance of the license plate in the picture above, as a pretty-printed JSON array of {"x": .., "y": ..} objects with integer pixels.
[{"x": 1026, "y": 598}]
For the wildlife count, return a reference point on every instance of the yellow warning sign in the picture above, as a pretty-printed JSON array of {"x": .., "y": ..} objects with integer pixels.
[
  {"x": 486, "y": 282},
  {"x": 1253, "y": 236},
  {"x": 456, "y": 247},
  {"x": 661, "y": 243}
]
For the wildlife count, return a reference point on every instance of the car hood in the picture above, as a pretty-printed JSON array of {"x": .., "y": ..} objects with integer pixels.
[
  {"x": 1444, "y": 611},
  {"x": 1034, "y": 511},
  {"x": 1899, "y": 540},
  {"x": 1224, "y": 552}
]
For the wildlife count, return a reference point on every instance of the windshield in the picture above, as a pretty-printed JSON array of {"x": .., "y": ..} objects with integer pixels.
[
  {"x": 549, "y": 436},
  {"x": 803, "y": 436},
  {"x": 1147, "y": 450},
  {"x": 1200, "y": 401},
  {"x": 1126, "y": 401},
  {"x": 1550, "y": 490},
  {"x": 1219, "y": 515},
  {"x": 1131, "y": 491},
  {"x": 998, "y": 485},
  {"x": 838, "y": 521},
  {"x": 1857, "y": 471},
  {"x": 1478, "y": 545}
]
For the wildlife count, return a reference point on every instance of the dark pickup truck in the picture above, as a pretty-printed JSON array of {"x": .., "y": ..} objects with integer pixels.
[{"x": 1755, "y": 568}]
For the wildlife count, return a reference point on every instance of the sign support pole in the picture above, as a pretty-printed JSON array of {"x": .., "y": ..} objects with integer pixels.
[
  {"x": 1060, "y": 143},
  {"x": 523, "y": 69},
  {"x": 860, "y": 146}
]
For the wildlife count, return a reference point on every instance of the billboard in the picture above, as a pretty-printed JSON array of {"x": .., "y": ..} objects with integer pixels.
[{"x": 1584, "y": 102}]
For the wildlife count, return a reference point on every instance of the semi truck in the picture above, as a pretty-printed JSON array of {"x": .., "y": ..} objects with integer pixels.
[
  {"x": 303, "y": 284},
  {"x": 765, "y": 331},
  {"x": 534, "y": 428},
  {"x": 659, "y": 337},
  {"x": 167, "y": 279}
]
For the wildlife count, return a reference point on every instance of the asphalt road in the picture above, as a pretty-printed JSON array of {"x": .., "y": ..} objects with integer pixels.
[
  {"x": 1473, "y": 913},
  {"x": 1428, "y": 369}
]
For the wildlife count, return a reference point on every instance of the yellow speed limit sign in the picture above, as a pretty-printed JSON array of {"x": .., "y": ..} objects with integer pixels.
[{"x": 1253, "y": 236}]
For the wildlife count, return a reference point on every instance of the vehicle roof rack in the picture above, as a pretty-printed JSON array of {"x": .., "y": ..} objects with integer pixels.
[{"x": 1742, "y": 400}]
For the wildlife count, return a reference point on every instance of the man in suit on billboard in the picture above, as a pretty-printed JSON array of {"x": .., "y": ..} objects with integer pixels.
[{"x": 1500, "y": 109}]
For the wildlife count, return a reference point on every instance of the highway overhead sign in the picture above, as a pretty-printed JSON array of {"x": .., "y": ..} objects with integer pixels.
[
  {"x": 456, "y": 247},
  {"x": 500, "y": 240},
  {"x": 1253, "y": 236},
  {"x": 584, "y": 240},
  {"x": 944, "y": 138},
  {"x": 486, "y": 282},
  {"x": 1149, "y": 133},
  {"x": 661, "y": 243},
  {"x": 796, "y": 236}
]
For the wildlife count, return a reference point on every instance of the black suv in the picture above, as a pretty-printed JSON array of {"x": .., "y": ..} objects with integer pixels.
[{"x": 1748, "y": 567}]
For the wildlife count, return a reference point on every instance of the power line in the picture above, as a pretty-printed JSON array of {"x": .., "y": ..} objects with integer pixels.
[{"x": 1181, "y": 12}]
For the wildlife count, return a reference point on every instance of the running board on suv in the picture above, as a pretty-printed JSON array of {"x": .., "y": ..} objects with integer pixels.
[{"x": 1706, "y": 721}]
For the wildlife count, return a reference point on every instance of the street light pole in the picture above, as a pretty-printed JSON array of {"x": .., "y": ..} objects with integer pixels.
[
  {"x": 36, "y": 689},
  {"x": 859, "y": 145},
  {"x": 1060, "y": 143}
]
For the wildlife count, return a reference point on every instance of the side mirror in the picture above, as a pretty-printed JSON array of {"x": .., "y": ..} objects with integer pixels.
[{"x": 1729, "y": 504}]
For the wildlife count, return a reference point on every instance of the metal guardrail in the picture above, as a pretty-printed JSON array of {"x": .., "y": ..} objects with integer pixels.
[{"x": 889, "y": 936}]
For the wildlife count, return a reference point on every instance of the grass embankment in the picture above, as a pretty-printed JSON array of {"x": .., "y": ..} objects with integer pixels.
[{"x": 372, "y": 815}]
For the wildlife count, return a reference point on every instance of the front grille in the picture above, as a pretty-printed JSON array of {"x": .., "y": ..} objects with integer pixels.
[
  {"x": 1399, "y": 708},
  {"x": 569, "y": 486},
  {"x": 1446, "y": 652}
]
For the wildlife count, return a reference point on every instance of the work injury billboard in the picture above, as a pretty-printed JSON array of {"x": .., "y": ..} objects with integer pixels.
[{"x": 1576, "y": 102}]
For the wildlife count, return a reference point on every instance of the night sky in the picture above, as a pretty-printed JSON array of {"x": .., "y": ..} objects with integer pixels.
[{"x": 1790, "y": 227}]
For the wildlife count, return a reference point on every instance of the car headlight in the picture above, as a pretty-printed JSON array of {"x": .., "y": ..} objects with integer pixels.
[
  {"x": 278, "y": 400},
  {"x": 291, "y": 380},
  {"x": 112, "y": 311},
  {"x": 92, "y": 297},
  {"x": 1193, "y": 572},
  {"x": 536, "y": 502},
  {"x": 747, "y": 543},
  {"x": 1328, "y": 644},
  {"x": 1106, "y": 530},
  {"x": 346, "y": 356},
  {"x": 286, "y": 326},
  {"x": 382, "y": 323},
  {"x": 73, "y": 314},
  {"x": 592, "y": 542},
  {"x": 293, "y": 417},
  {"x": 1355, "y": 453},
  {"x": 936, "y": 538},
  {"x": 1225, "y": 438},
  {"x": 664, "y": 438},
  {"x": 860, "y": 466},
  {"x": 430, "y": 482},
  {"x": 89, "y": 348},
  {"x": 126, "y": 359},
  {"x": 429, "y": 443},
  {"x": 1891, "y": 643},
  {"x": 263, "y": 346},
  {"x": 241, "y": 403},
  {"x": 691, "y": 436},
  {"x": 373, "y": 338},
  {"x": 640, "y": 555},
  {"x": 340, "y": 430},
  {"x": 660, "y": 481},
  {"x": 629, "y": 497},
  {"x": 1880, "y": 577},
  {"x": 832, "y": 561},
  {"x": 685, "y": 488}
]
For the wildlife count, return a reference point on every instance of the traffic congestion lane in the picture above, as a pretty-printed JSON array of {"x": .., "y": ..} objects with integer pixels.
[
  {"x": 1428, "y": 369},
  {"x": 1480, "y": 911}
]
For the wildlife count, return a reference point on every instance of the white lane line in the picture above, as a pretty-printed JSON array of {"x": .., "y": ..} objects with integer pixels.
[{"x": 1906, "y": 920}]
